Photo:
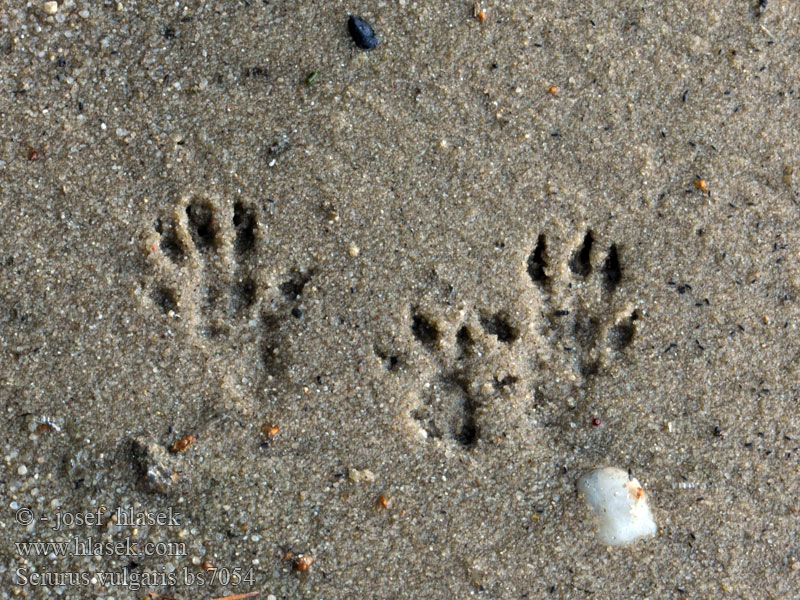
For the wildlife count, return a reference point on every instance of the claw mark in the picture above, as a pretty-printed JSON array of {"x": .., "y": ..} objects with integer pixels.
[
  {"x": 467, "y": 436},
  {"x": 244, "y": 223},
  {"x": 580, "y": 263},
  {"x": 536, "y": 262},
  {"x": 170, "y": 245},
  {"x": 464, "y": 341},
  {"x": 612, "y": 272},
  {"x": 165, "y": 299},
  {"x": 201, "y": 225},
  {"x": 424, "y": 330}
]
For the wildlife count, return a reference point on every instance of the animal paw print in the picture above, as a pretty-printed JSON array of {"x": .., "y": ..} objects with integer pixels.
[
  {"x": 205, "y": 254},
  {"x": 471, "y": 374},
  {"x": 480, "y": 369},
  {"x": 208, "y": 276},
  {"x": 578, "y": 302}
]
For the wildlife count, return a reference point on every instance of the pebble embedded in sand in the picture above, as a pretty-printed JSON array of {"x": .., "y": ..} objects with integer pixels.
[
  {"x": 620, "y": 504},
  {"x": 364, "y": 475},
  {"x": 362, "y": 33},
  {"x": 50, "y": 8}
]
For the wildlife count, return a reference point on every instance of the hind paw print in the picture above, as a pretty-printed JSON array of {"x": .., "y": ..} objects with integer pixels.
[
  {"x": 207, "y": 276},
  {"x": 579, "y": 302},
  {"x": 203, "y": 255}
]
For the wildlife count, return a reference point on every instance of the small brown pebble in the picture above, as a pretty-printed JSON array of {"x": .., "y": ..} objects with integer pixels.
[
  {"x": 702, "y": 185},
  {"x": 787, "y": 174},
  {"x": 269, "y": 431},
  {"x": 478, "y": 12},
  {"x": 383, "y": 502},
  {"x": 331, "y": 212},
  {"x": 183, "y": 443},
  {"x": 553, "y": 90},
  {"x": 302, "y": 562},
  {"x": 207, "y": 566},
  {"x": 596, "y": 421}
]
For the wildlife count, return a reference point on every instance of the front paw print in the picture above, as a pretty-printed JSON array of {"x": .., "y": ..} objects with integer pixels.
[{"x": 582, "y": 314}]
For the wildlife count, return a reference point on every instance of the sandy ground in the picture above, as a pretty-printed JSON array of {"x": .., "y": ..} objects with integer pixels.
[{"x": 343, "y": 324}]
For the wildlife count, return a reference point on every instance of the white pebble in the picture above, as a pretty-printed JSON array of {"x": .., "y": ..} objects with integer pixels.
[
  {"x": 22, "y": 470},
  {"x": 50, "y": 8},
  {"x": 358, "y": 476},
  {"x": 620, "y": 504}
]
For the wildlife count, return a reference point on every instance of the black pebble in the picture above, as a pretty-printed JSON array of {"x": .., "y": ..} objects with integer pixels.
[
  {"x": 297, "y": 313},
  {"x": 362, "y": 33}
]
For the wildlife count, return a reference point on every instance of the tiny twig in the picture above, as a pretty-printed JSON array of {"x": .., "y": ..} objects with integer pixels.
[
  {"x": 233, "y": 597},
  {"x": 239, "y": 596},
  {"x": 154, "y": 595},
  {"x": 767, "y": 31}
]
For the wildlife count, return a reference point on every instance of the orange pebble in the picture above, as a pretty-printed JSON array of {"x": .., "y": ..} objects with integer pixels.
[
  {"x": 702, "y": 185},
  {"x": 183, "y": 444},
  {"x": 302, "y": 562},
  {"x": 269, "y": 430}
]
